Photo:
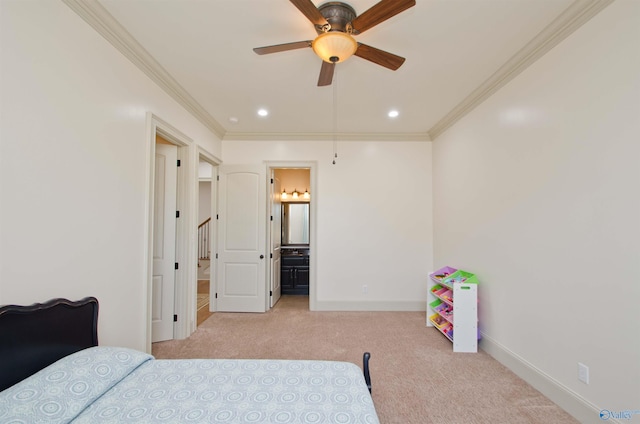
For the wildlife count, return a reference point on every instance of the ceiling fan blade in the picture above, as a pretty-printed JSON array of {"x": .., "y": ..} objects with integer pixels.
[
  {"x": 309, "y": 10},
  {"x": 382, "y": 58},
  {"x": 282, "y": 47},
  {"x": 326, "y": 74},
  {"x": 380, "y": 12}
]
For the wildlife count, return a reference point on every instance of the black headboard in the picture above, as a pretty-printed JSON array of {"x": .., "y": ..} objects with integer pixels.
[{"x": 33, "y": 337}]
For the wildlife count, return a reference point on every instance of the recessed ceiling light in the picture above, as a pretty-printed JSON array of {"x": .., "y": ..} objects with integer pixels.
[
  {"x": 263, "y": 112},
  {"x": 393, "y": 113}
]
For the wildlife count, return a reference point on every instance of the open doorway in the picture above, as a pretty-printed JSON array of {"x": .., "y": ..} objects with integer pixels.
[
  {"x": 206, "y": 199},
  {"x": 179, "y": 313},
  {"x": 291, "y": 229}
]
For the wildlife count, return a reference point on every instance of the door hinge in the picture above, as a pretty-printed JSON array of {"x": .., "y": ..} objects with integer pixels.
[
  {"x": 270, "y": 293},
  {"x": 176, "y": 265},
  {"x": 271, "y": 180},
  {"x": 178, "y": 162},
  {"x": 216, "y": 256},
  {"x": 177, "y": 214},
  {"x": 175, "y": 318},
  {"x": 272, "y": 217},
  {"x": 216, "y": 295},
  {"x": 217, "y": 177},
  {"x": 270, "y": 255},
  {"x": 217, "y": 216}
]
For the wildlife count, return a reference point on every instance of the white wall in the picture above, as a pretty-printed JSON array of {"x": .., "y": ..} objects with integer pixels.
[
  {"x": 293, "y": 179},
  {"x": 374, "y": 223},
  {"x": 536, "y": 191},
  {"x": 204, "y": 201},
  {"x": 205, "y": 170},
  {"x": 72, "y": 170}
]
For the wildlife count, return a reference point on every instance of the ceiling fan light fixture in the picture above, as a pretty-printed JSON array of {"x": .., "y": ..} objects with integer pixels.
[{"x": 334, "y": 46}]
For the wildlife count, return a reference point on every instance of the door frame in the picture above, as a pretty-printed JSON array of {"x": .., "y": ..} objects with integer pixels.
[
  {"x": 186, "y": 226},
  {"x": 313, "y": 239},
  {"x": 213, "y": 228}
]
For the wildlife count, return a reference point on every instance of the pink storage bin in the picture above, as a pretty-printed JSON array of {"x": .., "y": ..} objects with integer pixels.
[
  {"x": 441, "y": 291},
  {"x": 447, "y": 296}
]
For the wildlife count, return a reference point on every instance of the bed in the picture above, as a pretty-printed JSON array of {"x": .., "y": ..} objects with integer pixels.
[{"x": 53, "y": 370}]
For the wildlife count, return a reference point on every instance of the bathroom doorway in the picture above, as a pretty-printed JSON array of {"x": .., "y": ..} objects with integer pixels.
[{"x": 292, "y": 232}]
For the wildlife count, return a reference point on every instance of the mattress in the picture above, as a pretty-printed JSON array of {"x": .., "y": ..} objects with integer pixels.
[{"x": 118, "y": 385}]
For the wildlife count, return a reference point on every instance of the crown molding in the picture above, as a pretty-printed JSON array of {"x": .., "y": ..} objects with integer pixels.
[
  {"x": 106, "y": 25},
  {"x": 576, "y": 15},
  {"x": 251, "y": 136}
]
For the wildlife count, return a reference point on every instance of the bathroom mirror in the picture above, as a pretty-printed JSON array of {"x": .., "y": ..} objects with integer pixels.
[{"x": 295, "y": 223}]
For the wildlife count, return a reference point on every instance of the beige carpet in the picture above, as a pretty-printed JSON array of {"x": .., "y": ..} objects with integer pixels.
[{"x": 416, "y": 377}]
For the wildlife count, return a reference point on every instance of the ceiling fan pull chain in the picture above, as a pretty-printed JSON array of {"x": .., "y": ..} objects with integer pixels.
[{"x": 335, "y": 116}]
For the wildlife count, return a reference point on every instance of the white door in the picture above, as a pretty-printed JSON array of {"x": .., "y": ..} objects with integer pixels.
[
  {"x": 164, "y": 242},
  {"x": 242, "y": 246},
  {"x": 276, "y": 239}
]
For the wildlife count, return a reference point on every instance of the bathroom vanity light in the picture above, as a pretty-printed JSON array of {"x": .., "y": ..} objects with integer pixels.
[{"x": 295, "y": 194}]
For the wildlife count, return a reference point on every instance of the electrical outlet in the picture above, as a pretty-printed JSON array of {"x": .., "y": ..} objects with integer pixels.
[
  {"x": 365, "y": 289},
  {"x": 583, "y": 373}
]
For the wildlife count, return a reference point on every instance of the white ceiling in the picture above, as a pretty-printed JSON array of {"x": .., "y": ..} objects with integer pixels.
[{"x": 457, "y": 52}]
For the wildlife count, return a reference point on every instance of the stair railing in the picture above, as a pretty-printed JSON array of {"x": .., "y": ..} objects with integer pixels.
[{"x": 203, "y": 239}]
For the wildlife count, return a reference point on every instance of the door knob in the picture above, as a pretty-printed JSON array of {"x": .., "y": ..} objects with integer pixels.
[{"x": 261, "y": 256}]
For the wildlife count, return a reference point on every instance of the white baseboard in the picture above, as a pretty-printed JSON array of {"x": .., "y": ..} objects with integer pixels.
[
  {"x": 387, "y": 306},
  {"x": 578, "y": 407}
]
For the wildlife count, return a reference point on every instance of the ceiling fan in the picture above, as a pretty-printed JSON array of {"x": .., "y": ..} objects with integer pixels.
[{"x": 336, "y": 23}]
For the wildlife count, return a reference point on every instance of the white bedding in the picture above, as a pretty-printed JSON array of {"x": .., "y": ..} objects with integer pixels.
[{"x": 116, "y": 385}]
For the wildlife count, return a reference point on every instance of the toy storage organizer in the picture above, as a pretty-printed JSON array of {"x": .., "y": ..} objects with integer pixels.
[{"x": 452, "y": 307}]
